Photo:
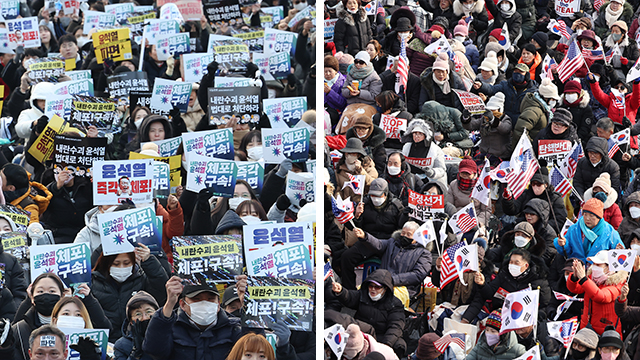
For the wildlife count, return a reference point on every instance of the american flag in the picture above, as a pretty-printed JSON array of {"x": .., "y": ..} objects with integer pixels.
[
  {"x": 524, "y": 165},
  {"x": 559, "y": 27},
  {"x": 597, "y": 4},
  {"x": 464, "y": 220},
  {"x": 571, "y": 62},
  {"x": 597, "y": 54},
  {"x": 613, "y": 147},
  {"x": 429, "y": 284},
  {"x": 328, "y": 271},
  {"x": 570, "y": 163},
  {"x": 380, "y": 9},
  {"x": 448, "y": 272},
  {"x": 403, "y": 65},
  {"x": 559, "y": 182},
  {"x": 343, "y": 211},
  {"x": 444, "y": 342},
  {"x": 568, "y": 331},
  {"x": 618, "y": 99}
]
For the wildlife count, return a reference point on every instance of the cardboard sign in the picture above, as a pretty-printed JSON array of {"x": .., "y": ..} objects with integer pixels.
[
  {"x": 308, "y": 12},
  {"x": 121, "y": 231},
  {"x": 254, "y": 39},
  {"x": 279, "y": 145},
  {"x": 78, "y": 153},
  {"x": 290, "y": 261},
  {"x": 89, "y": 111},
  {"x": 251, "y": 172},
  {"x": 189, "y": 9},
  {"x": 139, "y": 98},
  {"x": 470, "y": 101},
  {"x": 5, "y": 44},
  {"x": 136, "y": 21},
  {"x": 207, "y": 259},
  {"x": 276, "y": 12},
  {"x": 19, "y": 217},
  {"x": 219, "y": 176},
  {"x": 112, "y": 44},
  {"x": 100, "y": 336},
  {"x": 120, "y": 85},
  {"x": 280, "y": 65},
  {"x": 276, "y": 41},
  {"x": 97, "y": 19},
  {"x": 9, "y": 9},
  {"x": 222, "y": 11},
  {"x": 285, "y": 112},
  {"x": 15, "y": 243},
  {"x": 168, "y": 147},
  {"x": 554, "y": 151},
  {"x": 115, "y": 181},
  {"x": 42, "y": 149},
  {"x": 170, "y": 11},
  {"x": 566, "y": 8},
  {"x": 243, "y": 101},
  {"x": 71, "y": 262},
  {"x": 329, "y": 29},
  {"x": 211, "y": 143},
  {"x": 300, "y": 186},
  {"x": 392, "y": 126},
  {"x": 24, "y": 32},
  {"x": 194, "y": 66},
  {"x": 424, "y": 206},
  {"x": 173, "y": 44},
  {"x": 70, "y": 6},
  {"x": 168, "y": 94}
]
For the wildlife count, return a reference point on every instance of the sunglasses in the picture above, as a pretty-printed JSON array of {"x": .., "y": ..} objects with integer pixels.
[
  {"x": 359, "y": 62},
  {"x": 621, "y": 88}
]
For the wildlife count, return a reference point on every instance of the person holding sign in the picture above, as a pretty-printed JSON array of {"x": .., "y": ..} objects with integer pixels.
[
  {"x": 428, "y": 158},
  {"x": 561, "y": 127}
]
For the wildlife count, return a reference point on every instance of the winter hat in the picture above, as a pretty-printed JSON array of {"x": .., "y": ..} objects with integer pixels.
[
  {"x": 604, "y": 182},
  {"x": 541, "y": 38},
  {"x": 494, "y": 319},
  {"x": 495, "y": 47},
  {"x": 426, "y": 350},
  {"x": 496, "y": 102},
  {"x": 230, "y": 295},
  {"x": 344, "y": 58},
  {"x": 442, "y": 21},
  {"x": 526, "y": 228},
  {"x": 353, "y": 145},
  {"x": 363, "y": 121},
  {"x": 442, "y": 62},
  {"x": 461, "y": 30},
  {"x": 600, "y": 258},
  {"x": 542, "y": 175},
  {"x": 594, "y": 206},
  {"x": 587, "y": 337},
  {"x": 610, "y": 337},
  {"x": 548, "y": 90},
  {"x": 621, "y": 2},
  {"x": 141, "y": 297},
  {"x": 588, "y": 35},
  {"x": 562, "y": 116},
  {"x": 364, "y": 56},
  {"x": 490, "y": 63},
  {"x": 437, "y": 28},
  {"x": 403, "y": 24},
  {"x": 307, "y": 213},
  {"x": 378, "y": 187},
  {"x": 468, "y": 165},
  {"x": 496, "y": 33},
  {"x": 150, "y": 149},
  {"x": 622, "y": 25},
  {"x": 331, "y": 62},
  {"x": 355, "y": 343},
  {"x": 584, "y": 21},
  {"x": 572, "y": 87}
]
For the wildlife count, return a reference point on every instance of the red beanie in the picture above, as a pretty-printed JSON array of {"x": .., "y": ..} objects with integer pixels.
[
  {"x": 496, "y": 33},
  {"x": 468, "y": 165},
  {"x": 572, "y": 87}
]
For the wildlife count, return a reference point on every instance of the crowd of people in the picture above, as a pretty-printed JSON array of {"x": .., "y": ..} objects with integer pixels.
[
  {"x": 469, "y": 101},
  {"x": 148, "y": 311}
]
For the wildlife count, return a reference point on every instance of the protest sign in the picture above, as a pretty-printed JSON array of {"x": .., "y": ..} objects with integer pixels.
[
  {"x": 470, "y": 101},
  {"x": 157, "y": 27},
  {"x": 252, "y": 172},
  {"x": 100, "y": 336},
  {"x": 122, "y": 231},
  {"x": 43, "y": 147},
  {"x": 79, "y": 74},
  {"x": 168, "y": 94},
  {"x": 112, "y": 44},
  {"x": 554, "y": 151},
  {"x": 300, "y": 186},
  {"x": 276, "y": 41},
  {"x": 245, "y": 102},
  {"x": 136, "y": 21},
  {"x": 78, "y": 87},
  {"x": 173, "y": 44},
  {"x": 280, "y": 65},
  {"x": 15, "y": 243},
  {"x": 329, "y": 29},
  {"x": 229, "y": 82},
  {"x": 566, "y": 8},
  {"x": 71, "y": 262},
  {"x": 194, "y": 66},
  {"x": 45, "y": 69},
  {"x": 140, "y": 98},
  {"x": 78, "y": 153},
  {"x": 120, "y": 11},
  {"x": 262, "y": 61},
  {"x": 211, "y": 143},
  {"x": 70, "y": 6},
  {"x": 222, "y": 11},
  {"x": 256, "y": 236},
  {"x": 279, "y": 145},
  {"x": 170, "y": 11},
  {"x": 219, "y": 176},
  {"x": 9, "y": 9},
  {"x": 94, "y": 111},
  {"x": 288, "y": 261},
  {"x": 308, "y": 12},
  {"x": 161, "y": 177},
  {"x": 19, "y": 217},
  {"x": 276, "y": 13},
  {"x": 175, "y": 163},
  {"x": 285, "y": 112},
  {"x": 424, "y": 206},
  {"x": 254, "y": 39},
  {"x": 270, "y": 300},
  {"x": 207, "y": 259},
  {"x": 97, "y": 20},
  {"x": 120, "y": 85},
  {"x": 5, "y": 44},
  {"x": 231, "y": 54},
  {"x": 392, "y": 126},
  {"x": 423, "y": 162},
  {"x": 168, "y": 147},
  {"x": 23, "y": 32},
  {"x": 115, "y": 181},
  {"x": 189, "y": 9}
]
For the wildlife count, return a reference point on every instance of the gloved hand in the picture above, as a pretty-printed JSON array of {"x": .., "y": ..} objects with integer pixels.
[
  {"x": 591, "y": 78},
  {"x": 202, "y": 202},
  {"x": 626, "y": 122},
  {"x": 285, "y": 166},
  {"x": 495, "y": 122},
  {"x": 41, "y": 124},
  {"x": 623, "y": 60},
  {"x": 283, "y": 202},
  {"x": 138, "y": 330},
  {"x": 108, "y": 65},
  {"x": 87, "y": 348},
  {"x": 282, "y": 331},
  {"x": 6, "y": 336},
  {"x": 466, "y": 116},
  {"x": 430, "y": 172},
  {"x": 507, "y": 194},
  {"x": 253, "y": 71},
  {"x": 171, "y": 62},
  {"x": 175, "y": 116},
  {"x": 212, "y": 67},
  {"x": 292, "y": 81}
]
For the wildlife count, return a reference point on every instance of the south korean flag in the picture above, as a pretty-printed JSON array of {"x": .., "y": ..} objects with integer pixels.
[
  {"x": 621, "y": 260},
  {"x": 520, "y": 309},
  {"x": 337, "y": 338},
  {"x": 466, "y": 259},
  {"x": 532, "y": 354}
]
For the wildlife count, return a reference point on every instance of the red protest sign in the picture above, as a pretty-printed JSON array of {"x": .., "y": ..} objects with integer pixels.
[
  {"x": 554, "y": 150},
  {"x": 422, "y": 206}
]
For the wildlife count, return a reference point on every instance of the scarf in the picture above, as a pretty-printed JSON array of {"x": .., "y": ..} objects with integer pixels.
[
  {"x": 359, "y": 74},
  {"x": 612, "y": 16},
  {"x": 491, "y": 81},
  {"x": 444, "y": 85},
  {"x": 462, "y": 293},
  {"x": 333, "y": 81},
  {"x": 590, "y": 234},
  {"x": 466, "y": 185},
  {"x": 545, "y": 106}
]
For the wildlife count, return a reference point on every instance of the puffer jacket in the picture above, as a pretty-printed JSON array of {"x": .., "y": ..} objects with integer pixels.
[
  {"x": 599, "y": 300},
  {"x": 412, "y": 95},
  {"x": 432, "y": 91},
  {"x": 514, "y": 207},
  {"x": 586, "y": 174},
  {"x": 352, "y": 33},
  {"x": 608, "y": 240},
  {"x": 370, "y": 87},
  {"x": 149, "y": 276},
  {"x": 446, "y": 120},
  {"x": 547, "y": 134},
  {"x": 499, "y": 255},
  {"x": 14, "y": 277},
  {"x": 512, "y": 97},
  {"x": 527, "y": 9},
  {"x": 508, "y": 349},
  {"x": 408, "y": 265},
  {"x": 35, "y": 200},
  {"x": 386, "y": 315},
  {"x": 382, "y": 222},
  {"x": 422, "y": 149},
  {"x": 334, "y": 98},
  {"x": 632, "y": 102},
  {"x": 600, "y": 24},
  {"x": 534, "y": 116},
  {"x": 369, "y": 171},
  {"x": 628, "y": 224},
  {"x": 495, "y": 140},
  {"x": 39, "y": 92},
  {"x": 172, "y": 225},
  {"x": 514, "y": 23},
  {"x": 374, "y": 146},
  {"x": 478, "y": 11},
  {"x": 90, "y": 233},
  {"x": 399, "y": 185},
  {"x": 583, "y": 118},
  {"x": 461, "y": 199}
]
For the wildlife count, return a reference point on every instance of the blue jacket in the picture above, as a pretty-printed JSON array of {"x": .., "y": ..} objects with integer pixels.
[
  {"x": 176, "y": 338},
  {"x": 512, "y": 98},
  {"x": 573, "y": 248}
]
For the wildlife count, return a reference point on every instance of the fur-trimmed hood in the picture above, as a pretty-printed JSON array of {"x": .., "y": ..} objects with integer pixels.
[
  {"x": 610, "y": 43},
  {"x": 343, "y": 14},
  {"x": 611, "y": 198},
  {"x": 615, "y": 278},
  {"x": 424, "y": 125},
  {"x": 458, "y": 9},
  {"x": 585, "y": 98},
  {"x": 396, "y": 236}
]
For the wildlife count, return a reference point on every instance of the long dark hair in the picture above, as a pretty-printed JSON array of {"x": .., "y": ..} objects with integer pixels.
[
  {"x": 223, "y": 204},
  {"x": 104, "y": 262}
]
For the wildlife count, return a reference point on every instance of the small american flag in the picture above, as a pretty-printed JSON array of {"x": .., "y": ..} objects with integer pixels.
[
  {"x": 559, "y": 27},
  {"x": 571, "y": 62},
  {"x": 613, "y": 147},
  {"x": 444, "y": 342},
  {"x": 568, "y": 331},
  {"x": 524, "y": 166},
  {"x": 618, "y": 99},
  {"x": 467, "y": 220},
  {"x": 597, "y": 4},
  {"x": 380, "y": 9},
  {"x": 403, "y": 65},
  {"x": 328, "y": 271},
  {"x": 570, "y": 163},
  {"x": 597, "y": 54},
  {"x": 448, "y": 272},
  {"x": 343, "y": 211},
  {"x": 559, "y": 182}
]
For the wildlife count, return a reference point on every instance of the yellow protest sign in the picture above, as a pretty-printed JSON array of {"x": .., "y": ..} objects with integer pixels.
[
  {"x": 42, "y": 149},
  {"x": 174, "y": 166},
  {"x": 114, "y": 44},
  {"x": 197, "y": 251},
  {"x": 70, "y": 64},
  {"x": 13, "y": 242},
  {"x": 1, "y": 97}
]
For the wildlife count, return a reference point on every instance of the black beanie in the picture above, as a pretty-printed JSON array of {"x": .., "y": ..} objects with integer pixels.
[{"x": 16, "y": 175}]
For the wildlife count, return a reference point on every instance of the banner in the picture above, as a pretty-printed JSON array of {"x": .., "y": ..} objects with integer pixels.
[
  {"x": 115, "y": 181},
  {"x": 175, "y": 164},
  {"x": 45, "y": 69},
  {"x": 470, "y": 101},
  {"x": 190, "y": 9},
  {"x": 100, "y": 336},
  {"x": 168, "y": 94},
  {"x": 89, "y": 111},
  {"x": 10, "y": 9},
  {"x": 222, "y": 11},
  {"x": 566, "y": 8},
  {"x": 219, "y": 176},
  {"x": 78, "y": 153},
  {"x": 24, "y": 32},
  {"x": 121, "y": 231},
  {"x": 245, "y": 102},
  {"x": 207, "y": 259},
  {"x": 285, "y": 112},
  {"x": 270, "y": 300},
  {"x": 276, "y": 41},
  {"x": 168, "y": 147},
  {"x": 280, "y": 65},
  {"x": 424, "y": 206},
  {"x": 71, "y": 262},
  {"x": 554, "y": 151},
  {"x": 279, "y": 145},
  {"x": 97, "y": 20},
  {"x": 329, "y": 29},
  {"x": 290, "y": 261},
  {"x": 251, "y": 172},
  {"x": 112, "y": 44},
  {"x": 120, "y": 85},
  {"x": 43, "y": 147},
  {"x": 173, "y": 44},
  {"x": 520, "y": 309},
  {"x": 300, "y": 186},
  {"x": 392, "y": 126},
  {"x": 211, "y": 143},
  {"x": 19, "y": 217},
  {"x": 260, "y": 235},
  {"x": 621, "y": 260},
  {"x": 120, "y": 11},
  {"x": 423, "y": 162},
  {"x": 194, "y": 66}
]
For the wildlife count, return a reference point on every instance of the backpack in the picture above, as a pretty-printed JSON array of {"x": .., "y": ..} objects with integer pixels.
[{"x": 631, "y": 342}]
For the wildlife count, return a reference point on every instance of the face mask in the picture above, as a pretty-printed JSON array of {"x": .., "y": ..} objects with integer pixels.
[
  {"x": 579, "y": 32},
  {"x": 600, "y": 196},
  {"x": 74, "y": 322},
  {"x": 566, "y": 278},
  {"x": 82, "y": 41},
  {"x": 120, "y": 274},
  {"x": 137, "y": 123},
  {"x": 300, "y": 6},
  {"x": 608, "y": 356},
  {"x": 236, "y": 313},
  {"x": 363, "y": 136},
  {"x": 461, "y": 38},
  {"x": 552, "y": 103},
  {"x": 597, "y": 77},
  {"x": 518, "y": 78},
  {"x": 505, "y": 7},
  {"x": 255, "y": 153},
  {"x": 616, "y": 37},
  {"x": 377, "y": 297},
  {"x": 405, "y": 241},
  {"x": 350, "y": 159},
  {"x": 492, "y": 339},
  {"x": 514, "y": 270},
  {"x": 250, "y": 219},
  {"x": 234, "y": 202},
  {"x": 635, "y": 212},
  {"x": 65, "y": 21},
  {"x": 395, "y": 170},
  {"x": 521, "y": 241},
  {"x": 571, "y": 98},
  {"x": 204, "y": 313},
  {"x": 468, "y": 6},
  {"x": 352, "y": 11},
  {"x": 579, "y": 354},
  {"x": 44, "y": 303},
  {"x": 635, "y": 247},
  {"x": 598, "y": 275},
  {"x": 405, "y": 35},
  {"x": 377, "y": 201}
]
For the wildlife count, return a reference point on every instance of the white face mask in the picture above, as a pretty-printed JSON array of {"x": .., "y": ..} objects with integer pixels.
[
  {"x": 363, "y": 136},
  {"x": 234, "y": 202},
  {"x": 521, "y": 241},
  {"x": 505, "y": 6},
  {"x": 635, "y": 212},
  {"x": 204, "y": 313},
  {"x": 460, "y": 38},
  {"x": 579, "y": 32},
  {"x": 350, "y": 159},
  {"x": 492, "y": 339},
  {"x": 571, "y": 98},
  {"x": 352, "y": 11},
  {"x": 552, "y": 103},
  {"x": 255, "y": 153},
  {"x": 300, "y": 6},
  {"x": 138, "y": 123},
  {"x": 377, "y": 201},
  {"x": 405, "y": 35},
  {"x": 73, "y": 322},
  {"x": 82, "y": 41},
  {"x": 566, "y": 278},
  {"x": 185, "y": 164},
  {"x": 468, "y": 6},
  {"x": 635, "y": 247},
  {"x": 250, "y": 219},
  {"x": 377, "y": 297},
  {"x": 598, "y": 275},
  {"x": 393, "y": 170},
  {"x": 120, "y": 274},
  {"x": 514, "y": 270}
]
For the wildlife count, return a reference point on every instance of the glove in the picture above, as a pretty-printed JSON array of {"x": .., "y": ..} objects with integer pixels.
[
  {"x": 430, "y": 172},
  {"x": 202, "y": 202},
  {"x": 176, "y": 118},
  {"x": 466, "y": 116},
  {"x": 624, "y": 60},
  {"x": 41, "y": 124},
  {"x": 292, "y": 81},
  {"x": 87, "y": 348},
  {"x": 6, "y": 337},
  {"x": 283, "y": 333},
  {"x": 285, "y": 167},
  {"x": 253, "y": 71},
  {"x": 283, "y": 202},
  {"x": 302, "y": 203},
  {"x": 108, "y": 65},
  {"x": 591, "y": 79},
  {"x": 495, "y": 122},
  {"x": 626, "y": 122},
  {"x": 138, "y": 329},
  {"x": 212, "y": 67}
]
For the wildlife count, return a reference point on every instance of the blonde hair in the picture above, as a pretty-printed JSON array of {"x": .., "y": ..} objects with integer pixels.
[
  {"x": 253, "y": 343},
  {"x": 72, "y": 299}
]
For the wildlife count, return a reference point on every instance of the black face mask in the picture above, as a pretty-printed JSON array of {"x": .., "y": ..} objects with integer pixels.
[
  {"x": 237, "y": 313},
  {"x": 579, "y": 354},
  {"x": 44, "y": 303},
  {"x": 405, "y": 241}
]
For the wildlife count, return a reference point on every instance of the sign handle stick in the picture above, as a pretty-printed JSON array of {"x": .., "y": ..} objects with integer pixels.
[{"x": 142, "y": 45}]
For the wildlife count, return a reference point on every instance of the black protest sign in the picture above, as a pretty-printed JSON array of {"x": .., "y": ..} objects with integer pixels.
[
  {"x": 245, "y": 102},
  {"x": 121, "y": 84},
  {"x": 223, "y": 11},
  {"x": 78, "y": 154}
]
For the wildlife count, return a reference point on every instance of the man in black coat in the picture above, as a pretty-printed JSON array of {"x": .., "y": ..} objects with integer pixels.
[
  {"x": 411, "y": 97},
  {"x": 596, "y": 162}
]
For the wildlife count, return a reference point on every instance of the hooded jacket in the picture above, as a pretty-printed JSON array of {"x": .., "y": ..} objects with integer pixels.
[
  {"x": 586, "y": 174},
  {"x": 582, "y": 114},
  {"x": 421, "y": 150},
  {"x": 14, "y": 277},
  {"x": 90, "y": 233},
  {"x": 386, "y": 315},
  {"x": 35, "y": 200},
  {"x": 373, "y": 146},
  {"x": 39, "y": 92},
  {"x": 142, "y": 135},
  {"x": 352, "y": 32},
  {"x": 230, "y": 220},
  {"x": 600, "y": 23},
  {"x": 628, "y": 224},
  {"x": 542, "y": 228},
  {"x": 383, "y": 222},
  {"x": 514, "y": 207},
  {"x": 478, "y": 11},
  {"x": 514, "y": 23},
  {"x": 507, "y": 349},
  {"x": 432, "y": 91},
  {"x": 608, "y": 240},
  {"x": 630, "y": 315},
  {"x": 446, "y": 120},
  {"x": 533, "y": 116}
]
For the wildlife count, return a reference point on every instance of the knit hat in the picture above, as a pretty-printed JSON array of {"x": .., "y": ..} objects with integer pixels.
[
  {"x": 437, "y": 28},
  {"x": 587, "y": 337},
  {"x": 442, "y": 21},
  {"x": 548, "y": 90},
  {"x": 562, "y": 116},
  {"x": 355, "y": 343},
  {"x": 141, "y": 297},
  {"x": 610, "y": 337},
  {"x": 622, "y": 25},
  {"x": 331, "y": 62},
  {"x": 541, "y": 38},
  {"x": 364, "y": 56},
  {"x": 490, "y": 63},
  {"x": 496, "y": 102},
  {"x": 468, "y": 165},
  {"x": 426, "y": 350},
  {"x": 442, "y": 62},
  {"x": 494, "y": 319},
  {"x": 522, "y": 67},
  {"x": 461, "y": 30},
  {"x": 496, "y": 33},
  {"x": 604, "y": 182},
  {"x": 594, "y": 206},
  {"x": 526, "y": 228},
  {"x": 542, "y": 175},
  {"x": 572, "y": 87}
]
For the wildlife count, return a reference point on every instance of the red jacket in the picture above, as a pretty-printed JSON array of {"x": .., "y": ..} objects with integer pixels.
[
  {"x": 599, "y": 301},
  {"x": 172, "y": 225},
  {"x": 613, "y": 216},
  {"x": 631, "y": 102}
]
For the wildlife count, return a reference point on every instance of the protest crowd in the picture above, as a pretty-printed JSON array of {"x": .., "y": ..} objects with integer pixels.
[
  {"x": 482, "y": 198},
  {"x": 157, "y": 164}
]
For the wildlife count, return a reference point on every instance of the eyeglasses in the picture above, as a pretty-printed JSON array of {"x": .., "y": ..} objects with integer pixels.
[{"x": 359, "y": 62}]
